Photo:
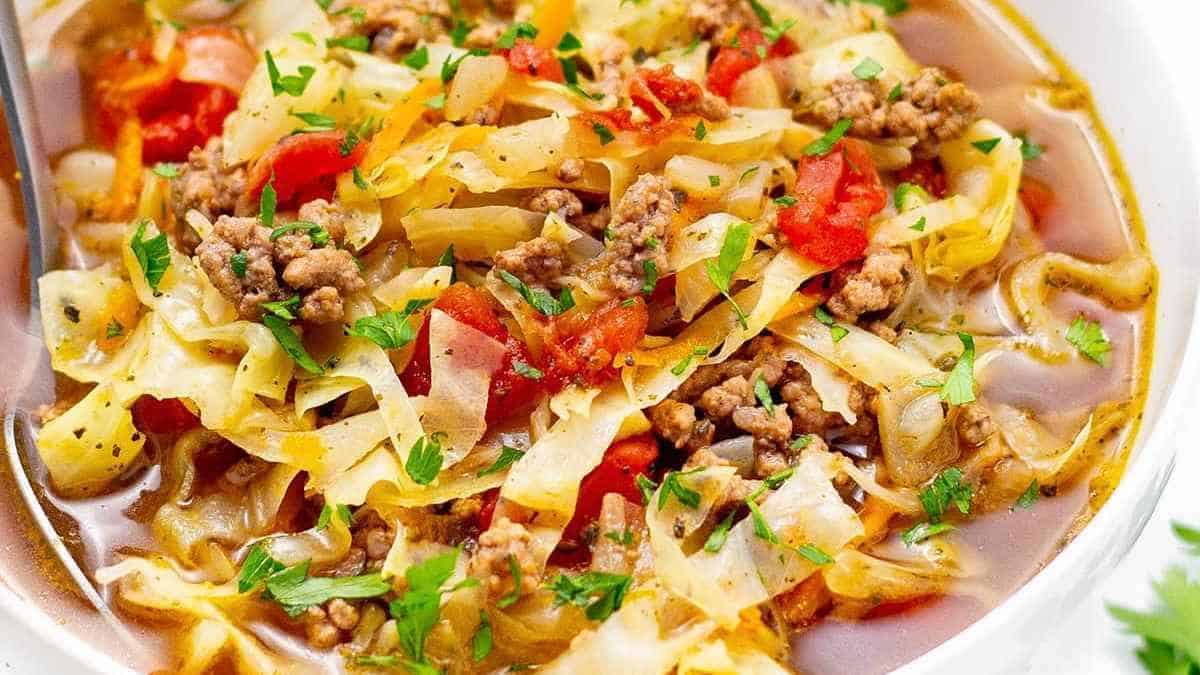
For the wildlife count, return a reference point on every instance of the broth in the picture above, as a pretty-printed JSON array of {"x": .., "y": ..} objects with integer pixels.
[{"x": 1098, "y": 223}]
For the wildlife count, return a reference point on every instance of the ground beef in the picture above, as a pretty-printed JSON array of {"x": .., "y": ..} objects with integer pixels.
[
  {"x": 974, "y": 425},
  {"x": 710, "y": 18},
  {"x": 555, "y": 200},
  {"x": 537, "y": 262},
  {"x": 739, "y": 488},
  {"x": 772, "y": 429},
  {"x": 486, "y": 115},
  {"x": 711, "y": 107},
  {"x": 877, "y": 285},
  {"x": 609, "y": 74},
  {"x": 484, "y": 35},
  {"x": 930, "y": 108},
  {"x": 502, "y": 541},
  {"x": 318, "y": 629},
  {"x": 594, "y": 222},
  {"x": 394, "y": 26},
  {"x": 674, "y": 421},
  {"x": 277, "y": 270},
  {"x": 204, "y": 184},
  {"x": 637, "y": 235},
  {"x": 570, "y": 170}
]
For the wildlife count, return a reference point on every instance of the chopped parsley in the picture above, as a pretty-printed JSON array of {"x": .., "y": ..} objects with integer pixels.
[
  {"x": 266, "y": 205},
  {"x": 681, "y": 367},
  {"x": 153, "y": 255},
  {"x": 284, "y": 309},
  {"x": 701, "y": 131},
  {"x": 292, "y": 85},
  {"x": 295, "y": 591},
  {"x": 305, "y": 37},
  {"x": 526, "y": 371},
  {"x": 357, "y": 43},
  {"x": 508, "y": 456},
  {"x": 959, "y": 388},
  {"x": 569, "y": 43},
  {"x": 747, "y": 173},
  {"x": 114, "y": 329},
  {"x": 922, "y": 531},
  {"x": 624, "y": 537},
  {"x": 646, "y": 487},
  {"x": 1029, "y": 497},
  {"x": 801, "y": 442},
  {"x": 515, "y": 570},
  {"x": 447, "y": 259},
  {"x": 481, "y": 642},
  {"x": 785, "y": 201},
  {"x": 721, "y": 272},
  {"x": 814, "y": 554},
  {"x": 762, "y": 529},
  {"x": 603, "y": 133},
  {"x": 771, "y": 30},
  {"x": 891, "y": 7},
  {"x": 867, "y": 69},
  {"x": 906, "y": 190},
  {"x": 672, "y": 487},
  {"x": 359, "y": 181},
  {"x": 896, "y": 92},
  {"x": 237, "y": 263},
  {"x": 390, "y": 330},
  {"x": 417, "y": 58},
  {"x": 164, "y": 170},
  {"x": 257, "y": 566},
  {"x": 292, "y": 346},
  {"x": 418, "y": 610},
  {"x": 918, "y": 226},
  {"x": 946, "y": 490},
  {"x": 436, "y": 102},
  {"x": 649, "y": 276},
  {"x": 1029, "y": 149},
  {"x": 763, "y": 393},
  {"x": 719, "y": 535},
  {"x": 986, "y": 146},
  {"x": 824, "y": 144},
  {"x": 520, "y": 29},
  {"x": 540, "y": 300},
  {"x": 315, "y": 121},
  {"x": 600, "y": 593},
  {"x": 425, "y": 459},
  {"x": 1091, "y": 341},
  {"x": 318, "y": 234},
  {"x": 836, "y": 330}
]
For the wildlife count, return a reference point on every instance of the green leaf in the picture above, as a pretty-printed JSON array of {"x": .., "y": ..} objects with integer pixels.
[
  {"x": 417, "y": 58},
  {"x": 114, "y": 329},
  {"x": 776, "y": 480},
  {"x": 432, "y": 573},
  {"x": 481, "y": 642},
  {"x": 824, "y": 144},
  {"x": 540, "y": 300},
  {"x": 1090, "y": 339},
  {"x": 459, "y": 32},
  {"x": 266, "y": 206},
  {"x": 685, "y": 363},
  {"x": 514, "y": 570},
  {"x": 764, "y": 16},
  {"x": 600, "y": 593},
  {"x": 719, "y": 535},
  {"x": 714, "y": 181},
  {"x": 774, "y": 32},
  {"x": 647, "y": 488},
  {"x": 257, "y": 566},
  {"x": 359, "y": 182},
  {"x": 298, "y": 594},
  {"x": 959, "y": 388},
  {"x": 305, "y": 37},
  {"x": 918, "y": 226},
  {"x": 343, "y": 512},
  {"x": 521, "y": 29},
  {"x": 896, "y": 92},
  {"x": 292, "y": 85},
  {"x": 947, "y": 489},
  {"x": 624, "y": 537},
  {"x": 324, "y": 517},
  {"x": 508, "y": 456},
  {"x": 447, "y": 259},
  {"x": 763, "y": 393},
  {"x": 291, "y": 344},
  {"x": 867, "y": 69},
  {"x": 762, "y": 529},
  {"x": 801, "y": 442},
  {"x": 318, "y": 234},
  {"x": 284, "y": 309},
  {"x": 672, "y": 487},
  {"x": 1029, "y": 149},
  {"x": 604, "y": 133},
  {"x": 649, "y": 276},
  {"x": 376, "y": 660},
  {"x": 922, "y": 531},
  {"x": 1187, "y": 535},
  {"x": 436, "y": 102},
  {"x": 153, "y": 255},
  {"x": 746, "y": 174},
  {"x": 720, "y": 273},
  {"x": 569, "y": 43},
  {"x": 1175, "y": 621},
  {"x": 814, "y": 554},
  {"x": 357, "y": 43},
  {"x": 700, "y": 131},
  {"x": 425, "y": 459},
  {"x": 891, "y": 7},
  {"x": 527, "y": 371},
  {"x": 167, "y": 171},
  {"x": 1029, "y": 497},
  {"x": 315, "y": 120},
  {"x": 908, "y": 196},
  {"x": 986, "y": 146},
  {"x": 237, "y": 263},
  {"x": 836, "y": 330},
  {"x": 785, "y": 201}
]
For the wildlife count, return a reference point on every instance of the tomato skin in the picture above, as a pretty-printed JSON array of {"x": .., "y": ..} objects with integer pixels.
[
  {"x": 732, "y": 62},
  {"x": 305, "y": 166},
  {"x": 487, "y": 508},
  {"x": 168, "y": 416},
  {"x": 647, "y": 87},
  {"x": 509, "y": 391},
  {"x": 1038, "y": 198},
  {"x": 529, "y": 59},
  {"x": 581, "y": 347},
  {"x": 617, "y": 472},
  {"x": 926, "y": 173},
  {"x": 835, "y": 196}
]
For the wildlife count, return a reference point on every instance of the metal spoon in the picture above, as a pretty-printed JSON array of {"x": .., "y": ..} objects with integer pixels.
[{"x": 42, "y": 229}]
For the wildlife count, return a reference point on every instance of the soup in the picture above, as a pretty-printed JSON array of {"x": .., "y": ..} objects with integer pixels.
[{"x": 708, "y": 337}]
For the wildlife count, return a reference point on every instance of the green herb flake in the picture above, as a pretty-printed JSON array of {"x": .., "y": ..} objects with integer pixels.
[
  {"x": 986, "y": 146},
  {"x": 922, "y": 531},
  {"x": 356, "y": 43},
  {"x": 153, "y": 255},
  {"x": 291, "y": 344},
  {"x": 292, "y": 85},
  {"x": 600, "y": 593},
  {"x": 540, "y": 300},
  {"x": 891, "y": 7},
  {"x": 946, "y": 490},
  {"x": 425, "y": 459},
  {"x": 1090, "y": 339},
  {"x": 649, "y": 276},
  {"x": 481, "y": 642},
  {"x": 763, "y": 393},
  {"x": 508, "y": 456},
  {"x": 720, "y": 534},
  {"x": 526, "y": 371},
  {"x": 867, "y": 69},
  {"x": 681, "y": 367},
  {"x": 297, "y": 592},
  {"x": 918, "y": 226},
  {"x": 569, "y": 43},
  {"x": 714, "y": 181},
  {"x": 114, "y": 329},
  {"x": 164, "y": 170},
  {"x": 315, "y": 121},
  {"x": 447, "y": 259},
  {"x": 284, "y": 309},
  {"x": 515, "y": 571},
  {"x": 801, "y": 442},
  {"x": 266, "y": 206},
  {"x": 390, "y": 330},
  {"x": 237, "y": 263},
  {"x": 836, "y": 331},
  {"x": 1029, "y": 497},
  {"x": 959, "y": 388},
  {"x": 785, "y": 201},
  {"x": 908, "y": 196},
  {"x": 746, "y": 174},
  {"x": 814, "y": 554},
  {"x": 720, "y": 273},
  {"x": 436, "y": 102},
  {"x": 359, "y": 181},
  {"x": 700, "y": 131},
  {"x": 257, "y": 566},
  {"x": 672, "y": 487},
  {"x": 1029, "y": 149},
  {"x": 896, "y": 92},
  {"x": 417, "y": 611},
  {"x": 604, "y": 133},
  {"x": 762, "y": 529},
  {"x": 521, "y": 29},
  {"x": 647, "y": 487},
  {"x": 823, "y": 145},
  {"x": 624, "y": 538},
  {"x": 417, "y": 58},
  {"x": 305, "y": 37}
]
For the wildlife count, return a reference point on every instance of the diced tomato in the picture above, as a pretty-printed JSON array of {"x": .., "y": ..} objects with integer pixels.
[
  {"x": 835, "y": 196},
  {"x": 175, "y": 115},
  {"x": 510, "y": 391},
  {"x": 168, "y": 416},
  {"x": 926, "y": 173},
  {"x": 487, "y": 508},
  {"x": 617, "y": 472},
  {"x": 650, "y": 89},
  {"x": 527, "y": 58},
  {"x": 733, "y": 61},
  {"x": 1037, "y": 197},
  {"x": 581, "y": 347},
  {"x": 305, "y": 166}
]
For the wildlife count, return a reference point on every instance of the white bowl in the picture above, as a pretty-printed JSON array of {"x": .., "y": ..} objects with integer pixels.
[{"x": 1134, "y": 87}]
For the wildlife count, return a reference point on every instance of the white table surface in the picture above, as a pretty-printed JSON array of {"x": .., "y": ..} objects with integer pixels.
[{"x": 1089, "y": 642}]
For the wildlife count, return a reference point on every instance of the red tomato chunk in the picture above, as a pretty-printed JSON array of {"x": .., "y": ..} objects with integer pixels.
[
  {"x": 168, "y": 416},
  {"x": 617, "y": 472},
  {"x": 304, "y": 167},
  {"x": 745, "y": 54},
  {"x": 534, "y": 61},
  {"x": 580, "y": 348}
]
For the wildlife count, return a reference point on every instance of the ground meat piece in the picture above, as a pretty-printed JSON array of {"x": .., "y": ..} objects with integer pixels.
[
  {"x": 324, "y": 267},
  {"x": 711, "y": 107},
  {"x": 373, "y": 535},
  {"x": 502, "y": 541},
  {"x": 710, "y": 18},
  {"x": 739, "y": 488},
  {"x": 342, "y": 614},
  {"x": 394, "y": 26},
  {"x": 720, "y": 401},
  {"x": 319, "y": 630},
  {"x": 929, "y": 108},
  {"x": 259, "y": 284},
  {"x": 537, "y": 262},
  {"x": 609, "y": 75},
  {"x": 324, "y": 305},
  {"x": 335, "y": 220},
  {"x": 555, "y": 200},
  {"x": 770, "y": 429},
  {"x": 570, "y": 170},
  {"x": 770, "y": 461},
  {"x": 883, "y": 330},
  {"x": 673, "y": 421},
  {"x": 487, "y": 115},
  {"x": 484, "y": 35},
  {"x": 204, "y": 184},
  {"x": 594, "y": 222},
  {"x": 974, "y": 425},
  {"x": 808, "y": 417},
  {"x": 638, "y": 231},
  {"x": 877, "y": 286}
]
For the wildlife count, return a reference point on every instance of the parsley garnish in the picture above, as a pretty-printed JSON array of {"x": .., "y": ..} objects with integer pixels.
[
  {"x": 569, "y": 43},
  {"x": 237, "y": 263},
  {"x": 896, "y": 92},
  {"x": 603, "y": 132},
  {"x": 947, "y": 489},
  {"x": 153, "y": 255},
  {"x": 986, "y": 146},
  {"x": 508, "y": 456},
  {"x": 357, "y": 43},
  {"x": 785, "y": 201},
  {"x": 417, "y": 58},
  {"x": 918, "y": 226},
  {"x": 436, "y": 102},
  {"x": 649, "y": 276},
  {"x": 720, "y": 273},
  {"x": 417, "y": 611},
  {"x": 266, "y": 205},
  {"x": 714, "y": 181},
  {"x": 762, "y": 529},
  {"x": 960, "y": 385},
  {"x": 904, "y": 191},
  {"x": 771, "y": 30},
  {"x": 868, "y": 69},
  {"x": 600, "y": 593},
  {"x": 514, "y": 570},
  {"x": 390, "y": 330},
  {"x": 526, "y": 371},
  {"x": 701, "y": 131},
  {"x": 292, "y": 85},
  {"x": 447, "y": 259},
  {"x": 891, "y": 7},
  {"x": 167, "y": 171},
  {"x": 305, "y": 37},
  {"x": 801, "y": 442},
  {"x": 359, "y": 181},
  {"x": 481, "y": 642},
  {"x": 836, "y": 331},
  {"x": 315, "y": 121},
  {"x": 291, "y": 344},
  {"x": 1029, "y": 149},
  {"x": 1029, "y": 497},
  {"x": 296, "y": 591},
  {"x": 646, "y": 487},
  {"x": 521, "y": 29},
  {"x": 1089, "y": 338},
  {"x": 680, "y": 367},
  {"x": 922, "y": 531},
  {"x": 624, "y": 538},
  {"x": 257, "y": 566},
  {"x": 719, "y": 535},
  {"x": 814, "y": 554},
  {"x": 318, "y": 234},
  {"x": 284, "y": 309},
  {"x": 425, "y": 459},
  {"x": 763, "y": 393},
  {"x": 672, "y": 487},
  {"x": 114, "y": 330},
  {"x": 540, "y": 300},
  {"x": 824, "y": 144}
]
